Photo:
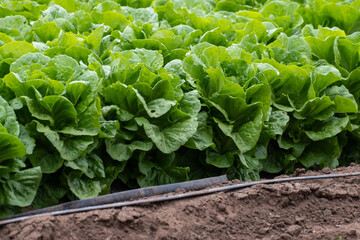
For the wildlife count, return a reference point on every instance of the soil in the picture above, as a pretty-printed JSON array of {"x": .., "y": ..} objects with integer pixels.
[{"x": 311, "y": 209}]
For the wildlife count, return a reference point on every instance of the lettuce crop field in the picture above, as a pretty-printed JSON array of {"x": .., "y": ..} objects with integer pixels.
[{"x": 154, "y": 92}]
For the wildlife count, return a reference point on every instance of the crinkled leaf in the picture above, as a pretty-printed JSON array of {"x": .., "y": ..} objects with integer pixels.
[
  {"x": 10, "y": 147},
  {"x": 344, "y": 101},
  {"x": 220, "y": 160},
  {"x": 20, "y": 189},
  {"x": 276, "y": 124},
  {"x": 203, "y": 138},
  {"x": 16, "y": 49},
  {"x": 172, "y": 137},
  {"x": 321, "y": 153},
  {"x": 122, "y": 151},
  {"x": 8, "y": 118},
  {"x": 328, "y": 128},
  {"x": 69, "y": 148},
  {"x": 82, "y": 186},
  {"x": 91, "y": 165},
  {"x": 247, "y": 134},
  {"x": 49, "y": 162}
]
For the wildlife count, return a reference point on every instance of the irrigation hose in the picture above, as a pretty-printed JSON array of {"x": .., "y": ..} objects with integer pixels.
[
  {"x": 176, "y": 196},
  {"x": 127, "y": 195}
]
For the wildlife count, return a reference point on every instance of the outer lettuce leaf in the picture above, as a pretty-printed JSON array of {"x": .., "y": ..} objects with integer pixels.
[
  {"x": 160, "y": 171},
  {"x": 16, "y": 49},
  {"x": 20, "y": 189},
  {"x": 8, "y": 118},
  {"x": 83, "y": 187},
  {"x": 11, "y": 147},
  {"x": 69, "y": 148}
]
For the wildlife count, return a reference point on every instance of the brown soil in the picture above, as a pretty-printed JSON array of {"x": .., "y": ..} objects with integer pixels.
[{"x": 312, "y": 209}]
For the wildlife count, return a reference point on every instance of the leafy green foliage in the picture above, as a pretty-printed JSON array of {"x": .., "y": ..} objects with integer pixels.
[{"x": 156, "y": 92}]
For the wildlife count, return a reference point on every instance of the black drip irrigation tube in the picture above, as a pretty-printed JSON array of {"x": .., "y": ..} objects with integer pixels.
[
  {"x": 119, "y": 197},
  {"x": 125, "y": 198}
]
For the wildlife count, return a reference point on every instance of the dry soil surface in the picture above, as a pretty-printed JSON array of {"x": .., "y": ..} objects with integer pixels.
[{"x": 316, "y": 209}]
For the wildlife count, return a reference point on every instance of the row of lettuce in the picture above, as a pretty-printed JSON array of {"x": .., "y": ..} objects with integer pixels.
[{"x": 149, "y": 93}]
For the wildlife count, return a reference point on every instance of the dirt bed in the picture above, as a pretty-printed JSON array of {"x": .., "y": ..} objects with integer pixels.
[{"x": 313, "y": 209}]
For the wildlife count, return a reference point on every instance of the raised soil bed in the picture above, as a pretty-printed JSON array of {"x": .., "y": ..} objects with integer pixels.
[{"x": 311, "y": 209}]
